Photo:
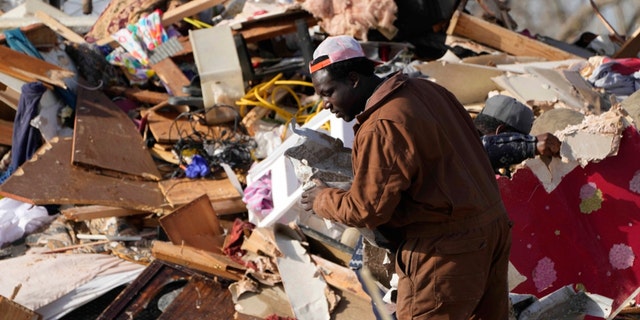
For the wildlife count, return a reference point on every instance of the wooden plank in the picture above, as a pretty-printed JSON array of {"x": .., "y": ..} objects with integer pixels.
[
  {"x": 266, "y": 28},
  {"x": 174, "y": 15},
  {"x": 631, "y": 47},
  {"x": 75, "y": 185},
  {"x": 38, "y": 34},
  {"x": 194, "y": 224},
  {"x": 224, "y": 197},
  {"x": 11, "y": 310},
  {"x": 106, "y": 138},
  {"x": 6, "y": 132},
  {"x": 201, "y": 260},
  {"x": 171, "y": 76},
  {"x": 82, "y": 213},
  {"x": 29, "y": 69},
  {"x": 59, "y": 28},
  {"x": 503, "y": 39}
]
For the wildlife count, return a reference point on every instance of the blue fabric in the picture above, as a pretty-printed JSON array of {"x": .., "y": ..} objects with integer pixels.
[
  {"x": 26, "y": 138},
  {"x": 18, "y": 42}
]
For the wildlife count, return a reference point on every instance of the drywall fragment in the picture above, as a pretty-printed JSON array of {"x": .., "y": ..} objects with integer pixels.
[
  {"x": 470, "y": 83},
  {"x": 303, "y": 282},
  {"x": 596, "y": 138}
]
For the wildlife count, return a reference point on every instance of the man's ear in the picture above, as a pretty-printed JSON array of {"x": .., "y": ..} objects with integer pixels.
[
  {"x": 500, "y": 129},
  {"x": 354, "y": 79}
]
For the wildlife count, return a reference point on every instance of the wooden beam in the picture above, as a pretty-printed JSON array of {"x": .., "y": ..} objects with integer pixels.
[
  {"x": 201, "y": 260},
  {"x": 495, "y": 36},
  {"x": 30, "y": 69},
  {"x": 59, "y": 28}
]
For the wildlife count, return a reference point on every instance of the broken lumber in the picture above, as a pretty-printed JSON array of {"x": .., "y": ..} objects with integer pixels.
[
  {"x": 201, "y": 260},
  {"x": 59, "y": 28},
  {"x": 194, "y": 224},
  {"x": 30, "y": 69},
  {"x": 495, "y": 36}
]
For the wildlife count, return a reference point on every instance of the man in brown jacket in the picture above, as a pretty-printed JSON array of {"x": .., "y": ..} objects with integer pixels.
[{"x": 422, "y": 178}]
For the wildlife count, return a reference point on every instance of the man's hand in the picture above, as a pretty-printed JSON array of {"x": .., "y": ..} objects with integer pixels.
[
  {"x": 548, "y": 145},
  {"x": 309, "y": 196}
]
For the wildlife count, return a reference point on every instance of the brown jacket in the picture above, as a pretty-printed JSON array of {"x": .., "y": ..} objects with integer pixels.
[{"x": 419, "y": 166}]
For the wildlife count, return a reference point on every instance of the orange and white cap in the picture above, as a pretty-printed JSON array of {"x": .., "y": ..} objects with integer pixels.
[{"x": 334, "y": 49}]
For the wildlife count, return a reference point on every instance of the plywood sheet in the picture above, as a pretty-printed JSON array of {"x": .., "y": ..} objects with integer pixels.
[
  {"x": 194, "y": 224},
  {"x": 106, "y": 138},
  {"x": 50, "y": 178}
]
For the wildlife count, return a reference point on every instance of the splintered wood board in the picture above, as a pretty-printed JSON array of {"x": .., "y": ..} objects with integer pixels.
[
  {"x": 50, "y": 178},
  {"x": 106, "y": 138},
  {"x": 194, "y": 224},
  {"x": 30, "y": 69},
  {"x": 503, "y": 39}
]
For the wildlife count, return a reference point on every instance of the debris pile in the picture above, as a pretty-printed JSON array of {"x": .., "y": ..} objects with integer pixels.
[{"x": 154, "y": 154}]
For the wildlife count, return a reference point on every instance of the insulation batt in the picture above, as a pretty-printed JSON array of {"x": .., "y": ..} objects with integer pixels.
[{"x": 353, "y": 17}]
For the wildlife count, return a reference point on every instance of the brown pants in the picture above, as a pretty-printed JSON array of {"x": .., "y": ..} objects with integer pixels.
[{"x": 455, "y": 276}]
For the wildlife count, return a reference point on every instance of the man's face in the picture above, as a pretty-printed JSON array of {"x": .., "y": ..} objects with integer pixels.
[{"x": 339, "y": 96}]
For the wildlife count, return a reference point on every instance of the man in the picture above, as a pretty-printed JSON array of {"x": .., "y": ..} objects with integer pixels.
[
  {"x": 504, "y": 124},
  {"x": 421, "y": 178}
]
